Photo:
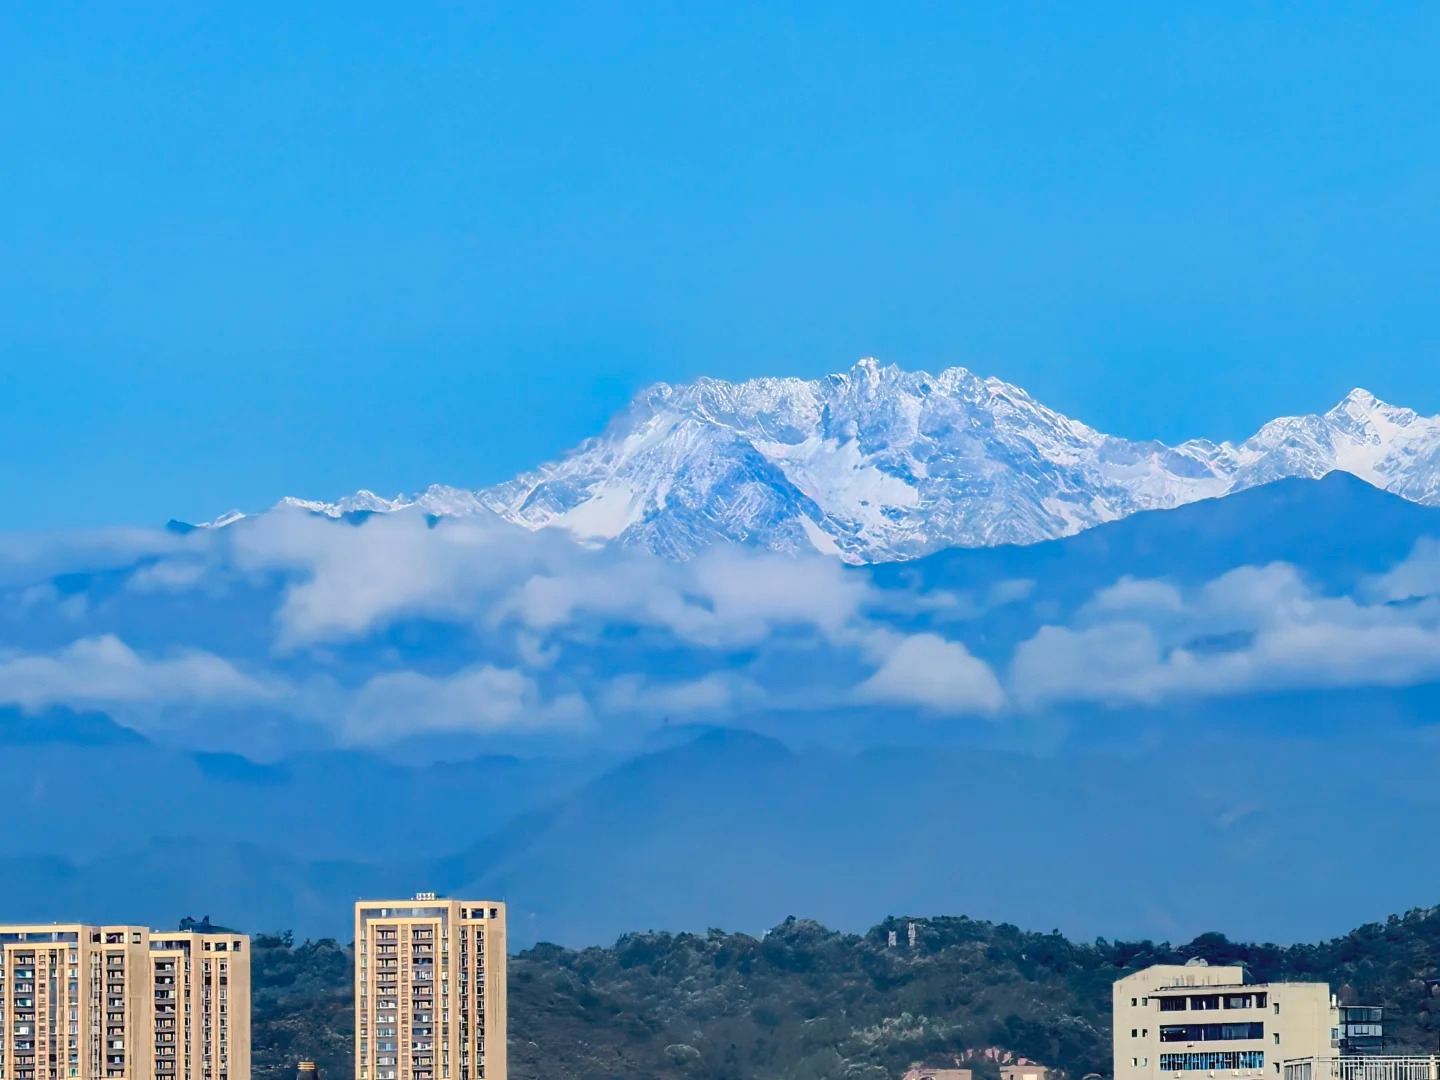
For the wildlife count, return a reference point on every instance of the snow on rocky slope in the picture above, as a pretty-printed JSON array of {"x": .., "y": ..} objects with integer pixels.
[{"x": 879, "y": 464}]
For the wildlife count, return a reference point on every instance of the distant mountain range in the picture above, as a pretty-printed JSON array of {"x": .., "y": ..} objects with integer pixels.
[
  {"x": 846, "y": 813},
  {"x": 878, "y": 464}
]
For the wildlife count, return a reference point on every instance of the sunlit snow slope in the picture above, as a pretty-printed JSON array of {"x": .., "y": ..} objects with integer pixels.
[{"x": 879, "y": 464}]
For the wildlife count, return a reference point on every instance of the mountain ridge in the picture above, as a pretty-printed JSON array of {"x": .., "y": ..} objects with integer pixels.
[{"x": 879, "y": 464}]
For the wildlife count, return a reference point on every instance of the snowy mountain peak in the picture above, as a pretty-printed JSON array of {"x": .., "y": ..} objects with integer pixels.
[
  {"x": 229, "y": 517},
  {"x": 1358, "y": 400},
  {"x": 1362, "y": 407},
  {"x": 877, "y": 463}
]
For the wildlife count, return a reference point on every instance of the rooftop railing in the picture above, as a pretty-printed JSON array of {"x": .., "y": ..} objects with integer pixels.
[{"x": 1363, "y": 1067}]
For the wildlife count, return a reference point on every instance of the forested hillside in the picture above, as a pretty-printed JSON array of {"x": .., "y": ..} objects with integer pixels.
[{"x": 808, "y": 1003}]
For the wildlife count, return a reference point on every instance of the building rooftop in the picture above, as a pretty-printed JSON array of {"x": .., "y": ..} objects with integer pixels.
[{"x": 1221, "y": 988}]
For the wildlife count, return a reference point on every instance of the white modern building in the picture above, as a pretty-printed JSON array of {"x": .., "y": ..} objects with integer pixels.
[{"x": 1183, "y": 1022}]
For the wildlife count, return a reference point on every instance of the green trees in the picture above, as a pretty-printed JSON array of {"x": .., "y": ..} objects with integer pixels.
[{"x": 806, "y": 1003}]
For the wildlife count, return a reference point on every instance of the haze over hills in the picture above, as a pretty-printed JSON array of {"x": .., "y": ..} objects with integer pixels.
[
  {"x": 878, "y": 464},
  {"x": 1270, "y": 661}
]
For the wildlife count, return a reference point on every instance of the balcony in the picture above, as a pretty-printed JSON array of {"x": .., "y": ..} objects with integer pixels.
[{"x": 1367, "y": 1067}]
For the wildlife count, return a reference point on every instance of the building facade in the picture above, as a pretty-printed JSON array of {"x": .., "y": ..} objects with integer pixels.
[
  {"x": 1362, "y": 1030},
  {"x": 1170, "y": 1021},
  {"x": 430, "y": 989},
  {"x": 920, "y": 1072},
  {"x": 81, "y": 1002}
]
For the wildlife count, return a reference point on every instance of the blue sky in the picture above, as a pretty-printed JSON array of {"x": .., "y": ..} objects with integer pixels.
[{"x": 250, "y": 250}]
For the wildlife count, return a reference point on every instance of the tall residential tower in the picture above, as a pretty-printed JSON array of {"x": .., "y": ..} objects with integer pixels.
[
  {"x": 430, "y": 989},
  {"x": 82, "y": 1002}
]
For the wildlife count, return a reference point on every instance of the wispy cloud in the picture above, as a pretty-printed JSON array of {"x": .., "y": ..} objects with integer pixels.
[
  {"x": 104, "y": 671},
  {"x": 480, "y": 699}
]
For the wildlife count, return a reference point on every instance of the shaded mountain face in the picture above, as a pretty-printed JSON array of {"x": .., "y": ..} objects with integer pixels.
[
  {"x": 878, "y": 464},
  {"x": 737, "y": 831}
]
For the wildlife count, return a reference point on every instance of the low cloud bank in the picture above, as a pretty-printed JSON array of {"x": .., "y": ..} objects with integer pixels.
[{"x": 401, "y": 626}]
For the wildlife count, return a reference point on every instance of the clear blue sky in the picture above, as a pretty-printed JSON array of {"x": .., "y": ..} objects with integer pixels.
[{"x": 262, "y": 248}]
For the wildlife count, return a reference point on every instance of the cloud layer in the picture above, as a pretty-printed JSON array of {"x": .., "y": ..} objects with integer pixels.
[
  {"x": 1254, "y": 629},
  {"x": 401, "y": 626}
]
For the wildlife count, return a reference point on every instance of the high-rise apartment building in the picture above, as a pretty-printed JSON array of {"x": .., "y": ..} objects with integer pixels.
[
  {"x": 430, "y": 989},
  {"x": 82, "y": 1002},
  {"x": 1174, "y": 1020}
]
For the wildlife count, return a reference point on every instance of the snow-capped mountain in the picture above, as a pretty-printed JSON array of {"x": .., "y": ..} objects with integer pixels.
[{"x": 878, "y": 464}]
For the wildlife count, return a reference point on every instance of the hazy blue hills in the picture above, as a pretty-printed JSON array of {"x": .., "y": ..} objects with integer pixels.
[
  {"x": 1198, "y": 714},
  {"x": 735, "y": 830},
  {"x": 69, "y": 774}
]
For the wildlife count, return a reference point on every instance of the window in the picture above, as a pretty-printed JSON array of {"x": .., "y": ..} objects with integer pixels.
[
  {"x": 1134, "y": 1033},
  {"x": 1172, "y": 1004},
  {"x": 1211, "y": 1060},
  {"x": 1277, "y": 1008},
  {"x": 1191, "y": 1033}
]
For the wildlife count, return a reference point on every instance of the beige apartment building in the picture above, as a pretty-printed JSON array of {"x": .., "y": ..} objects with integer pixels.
[
  {"x": 430, "y": 989},
  {"x": 82, "y": 1002},
  {"x": 1193, "y": 1020},
  {"x": 1021, "y": 1070},
  {"x": 919, "y": 1072}
]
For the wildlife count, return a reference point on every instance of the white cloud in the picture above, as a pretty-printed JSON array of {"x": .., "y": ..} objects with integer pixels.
[
  {"x": 104, "y": 671},
  {"x": 716, "y": 692},
  {"x": 723, "y": 598},
  {"x": 37, "y": 558},
  {"x": 1417, "y": 576},
  {"x": 1254, "y": 629},
  {"x": 178, "y": 574},
  {"x": 1131, "y": 593},
  {"x": 928, "y": 671},
  {"x": 349, "y": 580},
  {"x": 475, "y": 699},
  {"x": 1107, "y": 663},
  {"x": 541, "y": 632}
]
